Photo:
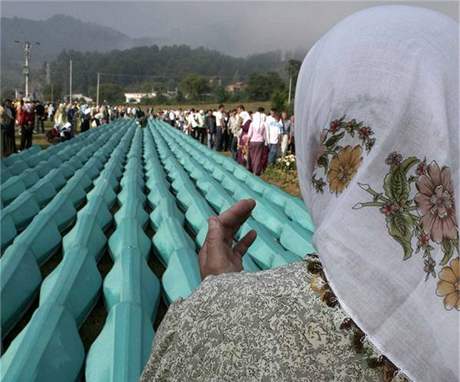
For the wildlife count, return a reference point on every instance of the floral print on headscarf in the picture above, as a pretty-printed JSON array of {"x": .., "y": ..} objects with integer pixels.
[
  {"x": 423, "y": 215},
  {"x": 336, "y": 163}
]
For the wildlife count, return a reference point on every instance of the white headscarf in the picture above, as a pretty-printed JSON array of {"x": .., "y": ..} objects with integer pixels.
[
  {"x": 377, "y": 138},
  {"x": 244, "y": 115}
]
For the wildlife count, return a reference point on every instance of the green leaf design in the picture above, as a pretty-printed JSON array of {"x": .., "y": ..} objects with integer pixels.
[
  {"x": 448, "y": 247},
  {"x": 401, "y": 228},
  {"x": 396, "y": 184},
  {"x": 334, "y": 139},
  {"x": 407, "y": 164},
  {"x": 323, "y": 161}
]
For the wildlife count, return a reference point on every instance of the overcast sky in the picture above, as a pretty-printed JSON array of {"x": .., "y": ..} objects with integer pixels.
[{"x": 238, "y": 28}]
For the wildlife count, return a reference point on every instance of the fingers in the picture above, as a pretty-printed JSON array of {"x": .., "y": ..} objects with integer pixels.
[
  {"x": 242, "y": 246},
  {"x": 236, "y": 215},
  {"x": 215, "y": 238}
]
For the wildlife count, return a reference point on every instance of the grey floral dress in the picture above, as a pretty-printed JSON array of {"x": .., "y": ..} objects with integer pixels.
[{"x": 265, "y": 326}]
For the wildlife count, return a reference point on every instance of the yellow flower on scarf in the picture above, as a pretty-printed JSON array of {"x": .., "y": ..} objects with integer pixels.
[
  {"x": 343, "y": 168},
  {"x": 449, "y": 285}
]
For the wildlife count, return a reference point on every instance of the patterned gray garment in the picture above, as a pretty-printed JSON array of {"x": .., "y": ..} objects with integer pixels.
[{"x": 265, "y": 326}]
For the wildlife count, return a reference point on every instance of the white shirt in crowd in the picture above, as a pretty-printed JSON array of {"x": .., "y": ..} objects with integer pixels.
[
  {"x": 192, "y": 120},
  {"x": 219, "y": 118},
  {"x": 274, "y": 130}
]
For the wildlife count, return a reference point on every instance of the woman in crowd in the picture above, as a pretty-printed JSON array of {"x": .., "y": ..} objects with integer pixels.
[
  {"x": 256, "y": 138},
  {"x": 27, "y": 124},
  {"x": 378, "y": 158},
  {"x": 243, "y": 139},
  {"x": 286, "y": 132},
  {"x": 60, "y": 117}
]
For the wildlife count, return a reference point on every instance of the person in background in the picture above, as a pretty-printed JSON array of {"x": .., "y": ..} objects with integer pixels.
[
  {"x": 5, "y": 116},
  {"x": 39, "y": 117},
  {"x": 235, "y": 131},
  {"x": 285, "y": 133},
  {"x": 27, "y": 125},
  {"x": 50, "y": 110},
  {"x": 226, "y": 132},
  {"x": 291, "y": 145},
  {"x": 243, "y": 139},
  {"x": 257, "y": 139},
  {"x": 8, "y": 125},
  {"x": 172, "y": 118},
  {"x": 180, "y": 120},
  {"x": 220, "y": 125},
  {"x": 271, "y": 116},
  {"x": 193, "y": 123},
  {"x": 201, "y": 131},
  {"x": 86, "y": 119},
  {"x": 274, "y": 132},
  {"x": 210, "y": 122}
]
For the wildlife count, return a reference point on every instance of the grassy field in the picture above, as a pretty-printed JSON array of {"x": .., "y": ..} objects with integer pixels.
[{"x": 286, "y": 180}]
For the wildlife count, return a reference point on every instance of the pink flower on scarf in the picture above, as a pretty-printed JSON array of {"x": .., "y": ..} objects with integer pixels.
[{"x": 435, "y": 201}]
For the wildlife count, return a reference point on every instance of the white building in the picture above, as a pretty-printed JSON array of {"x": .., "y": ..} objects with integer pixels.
[{"x": 136, "y": 97}]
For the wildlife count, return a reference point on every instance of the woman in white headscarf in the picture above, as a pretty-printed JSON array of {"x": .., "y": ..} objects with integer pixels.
[{"x": 377, "y": 134}]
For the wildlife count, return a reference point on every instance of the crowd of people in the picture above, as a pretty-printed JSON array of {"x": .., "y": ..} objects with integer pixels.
[
  {"x": 254, "y": 139},
  {"x": 27, "y": 117}
]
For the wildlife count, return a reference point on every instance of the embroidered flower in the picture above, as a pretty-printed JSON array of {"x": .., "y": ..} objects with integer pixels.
[
  {"x": 343, "y": 167},
  {"x": 423, "y": 240},
  {"x": 336, "y": 162},
  {"x": 334, "y": 126},
  {"x": 426, "y": 218},
  {"x": 449, "y": 285},
  {"x": 318, "y": 184},
  {"x": 364, "y": 133},
  {"x": 421, "y": 168},
  {"x": 435, "y": 201},
  {"x": 393, "y": 159},
  {"x": 389, "y": 209}
]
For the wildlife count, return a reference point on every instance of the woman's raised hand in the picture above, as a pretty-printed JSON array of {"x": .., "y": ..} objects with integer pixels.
[{"x": 218, "y": 254}]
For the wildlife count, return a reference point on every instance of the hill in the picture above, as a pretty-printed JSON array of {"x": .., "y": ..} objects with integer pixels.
[{"x": 55, "y": 34}]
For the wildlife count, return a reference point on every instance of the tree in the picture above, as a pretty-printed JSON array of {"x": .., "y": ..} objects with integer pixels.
[
  {"x": 221, "y": 94},
  {"x": 112, "y": 93},
  {"x": 278, "y": 101},
  {"x": 180, "y": 97},
  {"x": 194, "y": 86},
  {"x": 261, "y": 86}
]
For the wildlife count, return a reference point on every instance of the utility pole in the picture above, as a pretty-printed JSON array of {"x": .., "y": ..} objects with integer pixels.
[
  {"x": 70, "y": 81},
  {"x": 26, "y": 69},
  {"x": 48, "y": 73},
  {"x": 97, "y": 88}
]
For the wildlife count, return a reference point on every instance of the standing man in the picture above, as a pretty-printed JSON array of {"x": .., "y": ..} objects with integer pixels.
[
  {"x": 39, "y": 117},
  {"x": 235, "y": 130},
  {"x": 8, "y": 127},
  {"x": 274, "y": 131},
  {"x": 220, "y": 125},
  {"x": 172, "y": 118},
  {"x": 211, "y": 128},
  {"x": 200, "y": 126},
  {"x": 286, "y": 132}
]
